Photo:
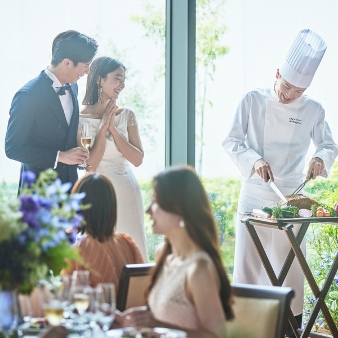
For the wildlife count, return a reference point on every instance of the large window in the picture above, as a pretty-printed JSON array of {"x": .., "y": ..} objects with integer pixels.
[{"x": 27, "y": 31}]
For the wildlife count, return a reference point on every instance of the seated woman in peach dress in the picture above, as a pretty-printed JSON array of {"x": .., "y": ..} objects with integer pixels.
[
  {"x": 189, "y": 287},
  {"x": 104, "y": 252}
]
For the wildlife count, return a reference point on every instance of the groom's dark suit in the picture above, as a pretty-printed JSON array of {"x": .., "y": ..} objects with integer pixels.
[{"x": 38, "y": 128}]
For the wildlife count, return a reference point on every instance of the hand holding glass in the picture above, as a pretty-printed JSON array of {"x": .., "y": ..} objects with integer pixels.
[{"x": 86, "y": 138}]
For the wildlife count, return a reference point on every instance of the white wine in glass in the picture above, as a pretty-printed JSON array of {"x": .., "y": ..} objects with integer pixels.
[
  {"x": 86, "y": 138},
  {"x": 54, "y": 312},
  {"x": 81, "y": 302}
]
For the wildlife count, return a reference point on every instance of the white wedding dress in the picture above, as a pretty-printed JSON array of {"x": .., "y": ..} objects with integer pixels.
[{"x": 130, "y": 213}]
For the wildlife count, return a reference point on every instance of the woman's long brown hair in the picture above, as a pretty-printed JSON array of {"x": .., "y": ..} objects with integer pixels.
[{"x": 179, "y": 190}]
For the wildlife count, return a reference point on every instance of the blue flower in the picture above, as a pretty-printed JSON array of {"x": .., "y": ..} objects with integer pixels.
[
  {"x": 45, "y": 216},
  {"x": 316, "y": 273},
  {"x": 336, "y": 282},
  {"x": 29, "y": 207},
  {"x": 44, "y": 203},
  {"x": 74, "y": 202},
  {"x": 28, "y": 177},
  {"x": 77, "y": 220}
]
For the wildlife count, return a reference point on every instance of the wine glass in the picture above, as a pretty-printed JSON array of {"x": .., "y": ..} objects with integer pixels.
[
  {"x": 81, "y": 298},
  {"x": 106, "y": 305},
  {"x": 52, "y": 304},
  {"x": 86, "y": 138},
  {"x": 80, "y": 277}
]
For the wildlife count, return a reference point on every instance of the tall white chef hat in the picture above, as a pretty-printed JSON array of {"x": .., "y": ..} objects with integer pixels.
[{"x": 303, "y": 59}]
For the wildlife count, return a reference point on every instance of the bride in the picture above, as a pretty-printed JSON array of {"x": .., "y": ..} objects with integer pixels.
[{"x": 116, "y": 144}]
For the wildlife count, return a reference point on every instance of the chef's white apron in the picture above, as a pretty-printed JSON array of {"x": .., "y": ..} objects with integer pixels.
[{"x": 279, "y": 138}]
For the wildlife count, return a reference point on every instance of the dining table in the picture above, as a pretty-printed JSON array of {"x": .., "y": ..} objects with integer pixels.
[{"x": 286, "y": 228}]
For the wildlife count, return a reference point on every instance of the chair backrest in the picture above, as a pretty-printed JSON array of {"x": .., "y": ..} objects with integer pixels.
[
  {"x": 260, "y": 311},
  {"x": 134, "y": 280}
]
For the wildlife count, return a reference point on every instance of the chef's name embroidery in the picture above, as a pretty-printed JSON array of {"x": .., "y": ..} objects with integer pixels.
[{"x": 296, "y": 121}]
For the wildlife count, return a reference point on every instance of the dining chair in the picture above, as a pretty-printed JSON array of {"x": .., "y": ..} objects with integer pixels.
[
  {"x": 133, "y": 283},
  {"x": 260, "y": 311}
]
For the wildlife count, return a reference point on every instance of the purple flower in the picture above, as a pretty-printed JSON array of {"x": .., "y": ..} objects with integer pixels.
[
  {"x": 29, "y": 207},
  {"x": 336, "y": 282},
  {"x": 28, "y": 177},
  {"x": 31, "y": 220}
]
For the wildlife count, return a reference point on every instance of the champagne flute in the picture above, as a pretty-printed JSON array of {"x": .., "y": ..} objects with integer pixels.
[
  {"x": 81, "y": 298},
  {"x": 105, "y": 297},
  {"x": 86, "y": 138}
]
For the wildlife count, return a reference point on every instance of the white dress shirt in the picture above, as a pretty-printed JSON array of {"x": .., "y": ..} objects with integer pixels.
[{"x": 66, "y": 102}]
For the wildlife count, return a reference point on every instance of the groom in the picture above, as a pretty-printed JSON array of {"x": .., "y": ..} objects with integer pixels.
[{"x": 44, "y": 115}]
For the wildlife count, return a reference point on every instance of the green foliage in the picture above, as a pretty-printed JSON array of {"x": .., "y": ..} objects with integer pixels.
[
  {"x": 56, "y": 258},
  {"x": 223, "y": 196},
  {"x": 153, "y": 22},
  {"x": 322, "y": 247},
  {"x": 210, "y": 29}
]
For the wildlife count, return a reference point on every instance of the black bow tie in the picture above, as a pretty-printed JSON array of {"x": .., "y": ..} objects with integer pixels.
[{"x": 62, "y": 90}]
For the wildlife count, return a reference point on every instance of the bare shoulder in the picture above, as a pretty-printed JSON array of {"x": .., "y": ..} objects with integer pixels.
[
  {"x": 200, "y": 273},
  {"x": 202, "y": 269},
  {"x": 121, "y": 109},
  {"x": 88, "y": 112}
]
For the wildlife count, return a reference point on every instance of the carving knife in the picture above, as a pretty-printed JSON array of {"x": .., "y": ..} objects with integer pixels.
[{"x": 276, "y": 190}]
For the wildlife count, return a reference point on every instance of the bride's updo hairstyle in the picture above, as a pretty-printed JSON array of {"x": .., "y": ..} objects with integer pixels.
[
  {"x": 99, "y": 69},
  {"x": 178, "y": 190}
]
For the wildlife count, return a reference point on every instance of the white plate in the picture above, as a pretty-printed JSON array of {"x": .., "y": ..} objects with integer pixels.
[{"x": 171, "y": 332}]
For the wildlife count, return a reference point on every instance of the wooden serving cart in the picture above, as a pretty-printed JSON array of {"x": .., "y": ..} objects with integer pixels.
[{"x": 286, "y": 225}]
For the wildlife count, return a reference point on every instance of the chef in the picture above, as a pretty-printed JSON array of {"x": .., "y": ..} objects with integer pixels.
[{"x": 270, "y": 135}]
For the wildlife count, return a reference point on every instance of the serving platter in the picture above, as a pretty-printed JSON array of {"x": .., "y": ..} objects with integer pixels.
[{"x": 291, "y": 220}]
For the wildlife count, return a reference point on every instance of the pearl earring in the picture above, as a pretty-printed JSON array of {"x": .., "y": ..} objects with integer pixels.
[{"x": 181, "y": 223}]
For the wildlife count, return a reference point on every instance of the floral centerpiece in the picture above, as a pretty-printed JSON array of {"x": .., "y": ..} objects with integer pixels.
[{"x": 37, "y": 231}]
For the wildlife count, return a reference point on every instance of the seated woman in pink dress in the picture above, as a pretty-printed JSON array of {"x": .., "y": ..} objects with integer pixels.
[
  {"x": 103, "y": 251},
  {"x": 189, "y": 289}
]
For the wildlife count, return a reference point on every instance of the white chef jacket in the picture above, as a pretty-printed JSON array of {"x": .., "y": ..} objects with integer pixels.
[{"x": 281, "y": 134}]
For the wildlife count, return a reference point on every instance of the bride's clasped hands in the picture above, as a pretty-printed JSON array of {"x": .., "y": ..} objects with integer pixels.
[{"x": 108, "y": 116}]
